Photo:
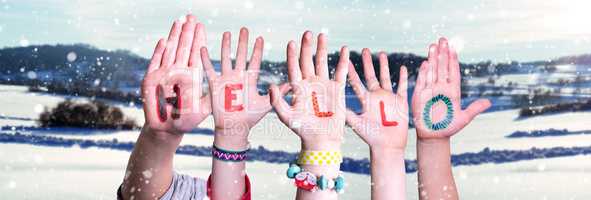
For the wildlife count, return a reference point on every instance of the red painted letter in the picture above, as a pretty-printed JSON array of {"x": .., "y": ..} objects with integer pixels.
[
  {"x": 385, "y": 122},
  {"x": 230, "y": 96},
  {"x": 317, "y": 108}
]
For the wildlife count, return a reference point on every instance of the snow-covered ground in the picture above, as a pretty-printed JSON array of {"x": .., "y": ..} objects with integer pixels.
[{"x": 35, "y": 172}]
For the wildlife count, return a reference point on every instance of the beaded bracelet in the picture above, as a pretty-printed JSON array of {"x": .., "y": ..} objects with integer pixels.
[
  {"x": 307, "y": 181},
  {"x": 448, "y": 117},
  {"x": 320, "y": 158},
  {"x": 227, "y": 155}
]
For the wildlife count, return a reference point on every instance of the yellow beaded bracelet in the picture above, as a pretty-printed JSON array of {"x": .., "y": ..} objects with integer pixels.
[{"x": 320, "y": 158}]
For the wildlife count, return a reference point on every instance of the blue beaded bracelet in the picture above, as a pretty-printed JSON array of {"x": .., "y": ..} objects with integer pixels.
[{"x": 308, "y": 181}]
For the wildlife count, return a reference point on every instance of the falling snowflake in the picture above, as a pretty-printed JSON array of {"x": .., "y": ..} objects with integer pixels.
[
  {"x": 24, "y": 42},
  {"x": 147, "y": 174},
  {"x": 39, "y": 108},
  {"x": 31, "y": 75},
  {"x": 248, "y": 5},
  {"x": 71, "y": 56},
  {"x": 406, "y": 24},
  {"x": 11, "y": 184},
  {"x": 299, "y": 5}
]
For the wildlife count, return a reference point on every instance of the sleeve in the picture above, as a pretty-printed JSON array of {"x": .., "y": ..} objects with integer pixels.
[
  {"x": 181, "y": 187},
  {"x": 245, "y": 196}
]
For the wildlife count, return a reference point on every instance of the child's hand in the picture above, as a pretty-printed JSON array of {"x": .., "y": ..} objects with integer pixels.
[
  {"x": 172, "y": 85},
  {"x": 237, "y": 105},
  {"x": 383, "y": 124},
  {"x": 436, "y": 102},
  {"x": 317, "y": 113}
]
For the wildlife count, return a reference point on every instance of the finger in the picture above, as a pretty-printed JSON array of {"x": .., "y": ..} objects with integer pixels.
[
  {"x": 198, "y": 42},
  {"x": 321, "y": 57},
  {"x": 356, "y": 84},
  {"x": 343, "y": 66},
  {"x": 422, "y": 77},
  {"x": 281, "y": 107},
  {"x": 255, "y": 61},
  {"x": 385, "y": 81},
  {"x": 454, "y": 67},
  {"x": 185, "y": 42},
  {"x": 283, "y": 90},
  {"x": 432, "y": 60},
  {"x": 205, "y": 106},
  {"x": 370, "y": 76},
  {"x": 442, "y": 61},
  {"x": 403, "y": 82},
  {"x": 242, "y": 50},
  {"x": 207, "y": 66},
  {"x": 293, "y": 70},
  {"x": 306, "y": 64},
  {"x": 226, "y": 60},
  {"x": 355, "y": 121},
  {"x": 172, "y": 43},
  {"x": 298, "y": 97},
  {"x": 476, "y": 108},
  {"x": 157, "y": 56}
]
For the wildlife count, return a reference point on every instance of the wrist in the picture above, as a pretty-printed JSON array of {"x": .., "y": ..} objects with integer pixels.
[
  {"x": 433, "y": 141},
  {"x": 386, "y": 156},
  {"x": 330, "y": 171},
  {"x": 161, "y": 137},
  {"x": 387, "y": 152},
  {"x": 315, "y": 145},
  {"x": 231, "y": 139}
]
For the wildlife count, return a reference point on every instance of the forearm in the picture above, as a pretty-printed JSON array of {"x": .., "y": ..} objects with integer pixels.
[
  {"x": 329, "y": 171},
  {"x": 436, "y": 180},
  {"x": 228, "y": 178},
  {"x": 149, "y": 170},
  {"x": 388, "y": 174}
]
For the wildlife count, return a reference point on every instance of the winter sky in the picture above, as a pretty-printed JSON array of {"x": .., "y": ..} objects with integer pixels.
[{"x": 482, "y": 29}]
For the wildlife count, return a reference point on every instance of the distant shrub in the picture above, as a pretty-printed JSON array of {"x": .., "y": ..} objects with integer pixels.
[
  {"x": 540, "y": 133},
  {"x": 93, "y": 114},
  {"x": 555, "y": 108}
]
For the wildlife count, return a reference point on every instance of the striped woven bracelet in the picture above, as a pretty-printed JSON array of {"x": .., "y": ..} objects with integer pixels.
[{"x": 227, "y": 155}]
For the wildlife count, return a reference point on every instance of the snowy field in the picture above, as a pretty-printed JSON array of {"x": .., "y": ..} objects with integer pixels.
[{"x": 39, "y": 172}]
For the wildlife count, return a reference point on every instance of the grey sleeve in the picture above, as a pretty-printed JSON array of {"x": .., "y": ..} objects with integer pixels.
[
  {"x": 185, "y": 187},
  {"x": 182, "y": 187}
]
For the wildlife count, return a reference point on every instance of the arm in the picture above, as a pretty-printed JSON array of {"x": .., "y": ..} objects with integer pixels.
[
  {"x": 317, "y": 113},
  {"x": 436, "y": 105},
  {"x": 435, "y": 174},
  {"x": 237, "y": 107},
  {"x": 150, "y": 164},
  {"x": 383, "y": 125},
  {"x": 149, "y": 170}
]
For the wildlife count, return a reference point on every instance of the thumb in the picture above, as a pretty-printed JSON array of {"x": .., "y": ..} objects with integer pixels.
[
  {"x": 205, "y": 104},
  {"x": 281, "y": 106},
  {"x": 356, "y": 122},
  {"x": 476, "y": 108}
]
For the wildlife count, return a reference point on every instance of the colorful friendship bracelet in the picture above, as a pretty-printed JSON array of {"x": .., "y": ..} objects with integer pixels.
[
  {"x": 448, "y": 117},
  {"x": 320, "y": 158},
  {"x": 227, "y": 155},
  {"x": 307, "y": 181}
]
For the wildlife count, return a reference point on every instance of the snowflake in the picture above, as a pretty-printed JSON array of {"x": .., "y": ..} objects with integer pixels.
[{"x": 24, "y": 42}]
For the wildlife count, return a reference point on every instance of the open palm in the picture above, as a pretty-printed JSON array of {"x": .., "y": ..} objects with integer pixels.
[
  {"x": 236, "y": 103},
  {"x": 317, "y": 112},
  {"x": 436, "y": 102},
  {"x": 384, "y": 118},
  {"x": 171, "y": 88}
]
